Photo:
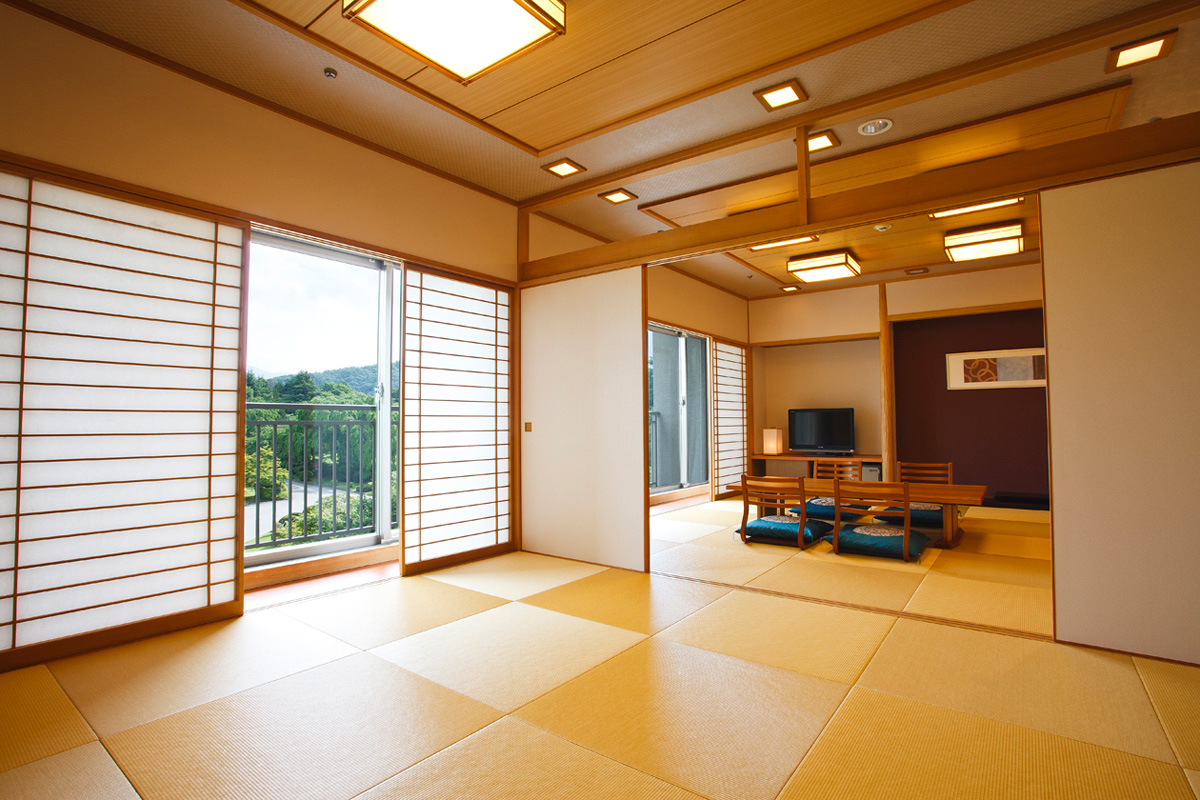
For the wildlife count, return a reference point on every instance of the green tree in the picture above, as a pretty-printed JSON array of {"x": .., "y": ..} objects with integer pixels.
[
  {"x": 266, "y": 478},
  {"x": 300, "y": 388}
]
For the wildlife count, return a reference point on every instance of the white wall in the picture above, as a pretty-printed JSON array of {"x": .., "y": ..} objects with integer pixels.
[
  {"x": 1122, "y": 279},
  {"x": 820, "y": 315},
  {"x": 583, "y": 466},
  {"x": 676, "y": 299},
  {"x": 77, "y": 103},
  {"x": 823, "y": 375},
  {"x": 966, "y": 290}
]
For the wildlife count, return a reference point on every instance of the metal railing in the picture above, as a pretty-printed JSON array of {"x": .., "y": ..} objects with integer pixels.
[{"x": 310, "y": 473}]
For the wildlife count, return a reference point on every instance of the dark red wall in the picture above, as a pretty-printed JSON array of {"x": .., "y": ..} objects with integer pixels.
[{"x": 996, "y": 437}]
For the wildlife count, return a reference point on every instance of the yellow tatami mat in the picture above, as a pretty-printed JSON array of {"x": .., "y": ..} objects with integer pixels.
[
  {"x": 883, "y": 746},
  {"x": 721, "y": 512},
  {"x": 330, "y": 732},
  {"x": 1175, "y": 691},
  {"x": 733, "y": 567},
  {"x": 1194, "y": 779},
  {"x": 819, "y": 640},
  {"x": 631, "y": 600},
  {"x": 398, "y": 609},
  {"x": 125, "y": 686},
  {"x": 82, "y": 773},
  {"x": 36, "y": 718},
  {"x": 1032, "y": 572},
  {"x": 676, "y": 530},
  {"x": 515, "y": 575},
  {"x": 512, "y": 759},
  {"x": 716, "y": 725},
  {"x": 533, "y": 648},
  {"x": 871, "y": 586},
  {"x": 997, "y": 605},
  {"x": 1089, "y": 695}
]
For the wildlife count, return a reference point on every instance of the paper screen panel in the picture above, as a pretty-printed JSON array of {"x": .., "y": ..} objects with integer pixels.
[
  {"x": 456, "y": 417},
  {"x": 127, "y": 409},
  {"x": 729, "y": 414}
]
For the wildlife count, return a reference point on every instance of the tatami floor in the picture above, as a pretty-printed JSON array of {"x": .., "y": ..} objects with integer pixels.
[
  {"x": 998, "y": 576},
  {"x": 530, "y": 676}
]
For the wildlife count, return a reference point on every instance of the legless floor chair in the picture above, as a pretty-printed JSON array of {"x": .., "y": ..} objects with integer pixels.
[{"x": 771, "y": 496}]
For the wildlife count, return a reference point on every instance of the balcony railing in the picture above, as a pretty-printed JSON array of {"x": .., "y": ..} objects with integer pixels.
[{"x": 311, "y": 472}]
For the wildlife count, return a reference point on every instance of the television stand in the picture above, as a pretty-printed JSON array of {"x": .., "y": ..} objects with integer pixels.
[{"x": 809, "y": 458}]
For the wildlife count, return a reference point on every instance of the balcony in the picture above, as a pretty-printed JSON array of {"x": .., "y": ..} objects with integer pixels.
[{"x": 310, "y": 480}]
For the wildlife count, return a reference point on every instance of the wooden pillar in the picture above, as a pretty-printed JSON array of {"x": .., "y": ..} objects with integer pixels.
[
  {"x": 522, "y": 240},
  {"x": 803, "y": 179},
  {"x": 887, "y": 387}
]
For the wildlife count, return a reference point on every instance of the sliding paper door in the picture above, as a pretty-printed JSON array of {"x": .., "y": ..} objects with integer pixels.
[
  {"x": 119, "y": 372},
  {"x": 456, "y": 420},
  {"x": 729, "y": 414}
]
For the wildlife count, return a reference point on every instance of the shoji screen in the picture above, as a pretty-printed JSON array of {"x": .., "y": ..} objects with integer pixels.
[
  {"x": 729, "y": 414},
  {"x": 119, "y": 372},
  {"x": 456, "y": 418}
]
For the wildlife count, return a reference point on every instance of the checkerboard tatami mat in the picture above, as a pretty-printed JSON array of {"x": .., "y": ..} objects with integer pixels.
[{"x": 589, "y": 682}]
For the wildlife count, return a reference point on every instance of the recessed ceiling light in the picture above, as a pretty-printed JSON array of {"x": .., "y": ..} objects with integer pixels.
[
  {"x": 823, "y": 266},
  {"x": 954, "y": 212},
  {"x": 883, "y": 227},
  {"x": 791, "y": 288},
  {"x": 822, "y": 141},
  {"x": 781, "y": 95},
  {"x": 330, "y": 73},
  {"x": 996, "y": 240},
  {"x": 916, "y": 271},
  {"x": 1139, "y": 52},
  {"x": 874, "y": 127},
  {"x": 785, "y": 242},
  {"x": 618, "y": 196},
  {"x": 563, "y": 168},
  {"x": 463, "y": 39}
]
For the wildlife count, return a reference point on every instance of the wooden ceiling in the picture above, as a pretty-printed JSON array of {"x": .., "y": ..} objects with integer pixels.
[
  {"x": 625, "y": 60},
  {"x": 658, "y": 98}
]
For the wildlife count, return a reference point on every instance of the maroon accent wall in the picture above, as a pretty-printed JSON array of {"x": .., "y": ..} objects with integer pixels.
[{"x": 996, "y": 437}]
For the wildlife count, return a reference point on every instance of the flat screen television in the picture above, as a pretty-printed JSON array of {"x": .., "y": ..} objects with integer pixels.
[{"x": 821, "y": 430}]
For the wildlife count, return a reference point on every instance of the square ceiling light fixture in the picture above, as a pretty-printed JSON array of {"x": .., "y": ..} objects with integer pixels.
[
  {"x": 618, "y": 196},
  {"x": 781, "y": 95},
  {"x": 564, "y": 168},
  {"x": 461, "y": 38},
  {"x": 1139, "y": 52},
  {"x": 996, "y": 240},
  {"x": 823, "y": 266},
  {"x": 822, "y": 141}
]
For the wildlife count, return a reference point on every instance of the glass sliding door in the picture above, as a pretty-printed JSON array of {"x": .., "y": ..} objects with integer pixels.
[
  {"x": 679, "y": 409},
  {"x": 313, "y": 385}
]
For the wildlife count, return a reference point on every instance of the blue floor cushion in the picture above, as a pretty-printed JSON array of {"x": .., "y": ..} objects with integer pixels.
[
  {"x": 927, "y": 515},
  {"x": 881, "y": 540},
  {"x": 822, "y": 508},
  {"x": 786, "y": 528}
]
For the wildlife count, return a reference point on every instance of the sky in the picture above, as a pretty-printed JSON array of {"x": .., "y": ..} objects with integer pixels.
[{"x": 306, "y": 313}]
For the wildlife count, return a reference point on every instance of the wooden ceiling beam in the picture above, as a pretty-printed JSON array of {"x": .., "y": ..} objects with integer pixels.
[
  {"x": 1131, "y": 25},
  {"x": 1170, "y": 141}
]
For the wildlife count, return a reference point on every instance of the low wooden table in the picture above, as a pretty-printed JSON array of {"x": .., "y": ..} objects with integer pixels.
[{"x": 949, "y": 495}]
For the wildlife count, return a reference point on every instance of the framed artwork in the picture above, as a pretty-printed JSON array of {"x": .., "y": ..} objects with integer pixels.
[{"x": 996, "y": 369}]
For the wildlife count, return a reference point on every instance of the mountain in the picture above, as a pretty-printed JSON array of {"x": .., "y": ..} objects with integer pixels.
[{"x": 361, "y": 379}]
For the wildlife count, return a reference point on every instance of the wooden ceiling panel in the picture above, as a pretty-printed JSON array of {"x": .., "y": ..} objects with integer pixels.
[
  {"x": 301, "y": 12},
  {"x": 598, "y": 32},
  {"x": 914, "y": 241},
  {"x": 1036, "y": 127},
  {"x": 358, "y": 40},
  {"x": 709, "y": 55}
]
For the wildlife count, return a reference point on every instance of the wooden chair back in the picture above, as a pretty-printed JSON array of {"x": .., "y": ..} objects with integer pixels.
[
  {"x": 915, "y": 472},
  {"x": 775, "y": 494},
  {"x": 835, "y": 468},
  {"x": 849, "y": 497}
]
